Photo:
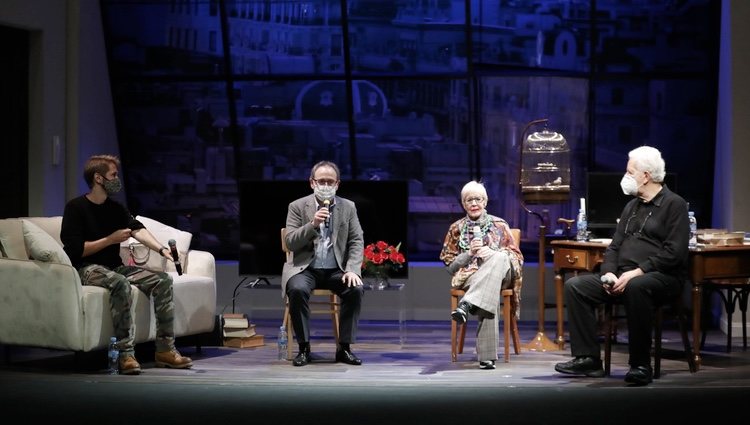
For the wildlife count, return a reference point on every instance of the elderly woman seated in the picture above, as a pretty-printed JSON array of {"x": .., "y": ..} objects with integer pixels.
[{"x": 483, "y": 257}]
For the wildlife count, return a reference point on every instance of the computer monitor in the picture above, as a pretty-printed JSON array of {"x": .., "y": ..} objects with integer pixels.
[
  {"x": 605, "y": 200},
  {"x": 382, "y": 207}
]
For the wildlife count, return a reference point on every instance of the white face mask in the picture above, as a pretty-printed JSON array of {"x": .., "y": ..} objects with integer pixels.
[
  {"x": 324, "y": 192},
  {"x": 629, "y": 185}
]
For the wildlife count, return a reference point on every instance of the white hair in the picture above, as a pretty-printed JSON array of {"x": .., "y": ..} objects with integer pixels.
[
  {"x": 646, "y": 158},
  {"x": 473, "y": 187}
]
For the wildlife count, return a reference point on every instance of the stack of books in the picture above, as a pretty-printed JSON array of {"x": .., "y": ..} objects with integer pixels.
[{"x": 238, "y": 332}]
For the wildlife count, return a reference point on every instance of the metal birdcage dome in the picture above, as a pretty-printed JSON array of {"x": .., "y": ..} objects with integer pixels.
[{"x": 545, "y": 168}]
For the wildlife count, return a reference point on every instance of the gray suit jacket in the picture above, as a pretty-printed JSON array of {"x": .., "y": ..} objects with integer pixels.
[{"x": 301, "y": 237}]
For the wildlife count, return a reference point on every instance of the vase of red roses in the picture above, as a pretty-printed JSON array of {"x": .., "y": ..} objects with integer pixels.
[{"x": 380, "y": 258}]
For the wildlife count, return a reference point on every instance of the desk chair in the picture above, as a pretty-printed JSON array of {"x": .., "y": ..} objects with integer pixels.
[
  {"x": 510, "y": 324},
  {"x": 676, "y": 307},
  {"x": 732, "y": 293},
  {"x": 331, "y": 305}
]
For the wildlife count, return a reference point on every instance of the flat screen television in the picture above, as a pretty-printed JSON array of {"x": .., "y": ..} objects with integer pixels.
[
  {"x": 605, "y": 200},
  {"x": 382, "y": 207}
]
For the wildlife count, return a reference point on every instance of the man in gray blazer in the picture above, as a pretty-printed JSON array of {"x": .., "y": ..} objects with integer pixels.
[{"x": 325, "y": 238}]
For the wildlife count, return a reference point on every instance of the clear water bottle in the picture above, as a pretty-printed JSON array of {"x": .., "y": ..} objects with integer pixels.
[
  {"x": 282, "y": 342},
  {"x": 113, "y": 355},
  {"x": 693, "y": 241},
  {"x": 581, "y": 226}
]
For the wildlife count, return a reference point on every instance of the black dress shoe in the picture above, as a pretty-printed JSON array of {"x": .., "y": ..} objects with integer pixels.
[
  {"x": 582, "y": 365},
  {"x": 303, "y": 358},
  {"x": 639, "y": 375},
  {"x": 487, "y": 364},
  {"x": 346, "y": 356},
  {"x": 461, "y": 313}
]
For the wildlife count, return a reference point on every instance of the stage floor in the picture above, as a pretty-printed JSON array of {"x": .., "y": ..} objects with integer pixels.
[{"x": 397, "y": 383}]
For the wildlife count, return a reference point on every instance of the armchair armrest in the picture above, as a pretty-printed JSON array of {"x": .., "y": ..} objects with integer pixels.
[
  {"x": 40, "y": 304},
  {"x": 201, "y": 263}
]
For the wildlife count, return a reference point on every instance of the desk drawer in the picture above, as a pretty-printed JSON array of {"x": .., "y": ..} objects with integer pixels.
[{"x": 576, "y": 259}]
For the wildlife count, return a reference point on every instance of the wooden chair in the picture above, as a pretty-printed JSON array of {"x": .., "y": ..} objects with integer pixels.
[
  {"x": 510, "y": 324},
  {"x": 733, "y": 292},
  {"x": 331, "y": 305},
  {"x": 677, "y": 308}
]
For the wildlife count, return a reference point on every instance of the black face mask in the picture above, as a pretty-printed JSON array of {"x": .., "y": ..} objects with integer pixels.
[{"x": 112, "y": 186}]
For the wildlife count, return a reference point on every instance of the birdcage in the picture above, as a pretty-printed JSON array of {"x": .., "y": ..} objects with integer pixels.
[{"x": 545, "y": 168}]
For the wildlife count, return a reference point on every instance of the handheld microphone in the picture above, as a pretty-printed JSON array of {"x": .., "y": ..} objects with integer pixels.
[
  {"x": 477, "y": 232},
  {"x": 173, "y": 251},
  {"x": 327, "y": 205}
]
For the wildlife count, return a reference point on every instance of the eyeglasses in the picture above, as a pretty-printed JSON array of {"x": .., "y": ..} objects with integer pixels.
[
  {"x": 325, "y": 182},
  {"x": 469, "y": 201}
]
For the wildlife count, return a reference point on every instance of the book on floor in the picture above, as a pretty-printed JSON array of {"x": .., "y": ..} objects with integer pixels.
[
  {"x": 239, "y": 332},
  {"x": 246, "y": 342},
  {"x": 235, "y": 321},
  {"x": 236, "y": 325}
]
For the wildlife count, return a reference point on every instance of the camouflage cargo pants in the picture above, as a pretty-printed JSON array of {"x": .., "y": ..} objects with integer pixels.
[{"x": 157, "y": 285}]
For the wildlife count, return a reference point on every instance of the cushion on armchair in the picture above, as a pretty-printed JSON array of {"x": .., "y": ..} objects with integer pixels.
[
  {"x": 11, "y": 239},
  {"x": 42, "y": 246}
]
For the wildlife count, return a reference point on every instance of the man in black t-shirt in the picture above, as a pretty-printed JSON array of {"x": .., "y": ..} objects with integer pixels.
[{"x": 93, "y": 227}]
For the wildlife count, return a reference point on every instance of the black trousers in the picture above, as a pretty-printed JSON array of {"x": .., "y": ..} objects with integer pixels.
[
  {"x": 298, "y": 291},
  {"x": 642, "y": 295}
]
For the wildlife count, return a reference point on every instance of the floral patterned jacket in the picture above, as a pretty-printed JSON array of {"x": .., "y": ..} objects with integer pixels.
[{"x": 497, "y": 235}]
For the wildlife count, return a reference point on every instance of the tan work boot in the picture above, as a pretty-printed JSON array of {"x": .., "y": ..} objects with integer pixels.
[
  {"x": 129, "y": 365},
  {"x": 172, "y": 359}
]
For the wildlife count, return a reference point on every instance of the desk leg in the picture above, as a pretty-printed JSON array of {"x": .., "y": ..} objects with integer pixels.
[
  {"x": 697, "y": 322},
  {"x": 559, "y": 301},
  {"x": 401, "y": 318}
]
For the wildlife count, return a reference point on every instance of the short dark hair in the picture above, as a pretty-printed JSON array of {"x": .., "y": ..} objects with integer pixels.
[
  {"x": 98, "y": 164},
  {"x": 325, "y": 164}
]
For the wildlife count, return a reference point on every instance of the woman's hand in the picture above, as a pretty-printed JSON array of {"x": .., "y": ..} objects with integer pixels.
[
  {"x": 475, "y": 245},
  {"x": 485, "y": 252}
]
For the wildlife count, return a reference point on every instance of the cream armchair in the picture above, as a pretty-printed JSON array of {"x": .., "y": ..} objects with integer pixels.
[{"x": 43, "y": 304}]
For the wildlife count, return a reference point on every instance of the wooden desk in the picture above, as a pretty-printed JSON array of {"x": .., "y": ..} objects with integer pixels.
[
  {"x": 708, "y": 265},
  {"x": 573, "y": 257},
  {"x": 715, "y": 266}
]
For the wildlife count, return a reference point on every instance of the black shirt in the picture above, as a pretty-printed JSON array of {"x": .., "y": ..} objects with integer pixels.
[
  {"x": 85, "y": 221},
  {"x": 652, "y": 236}
]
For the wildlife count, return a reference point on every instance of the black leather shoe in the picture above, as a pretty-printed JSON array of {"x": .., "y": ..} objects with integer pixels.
[
  {"x": 639, "y": 375},
  {"x": 487, "y": 364},
  {"x": 346, "y": 356},
  {"x": 303, "y": 358},
  {"x": 461, "y": 313},
  {"x": 582, "y": 365}
]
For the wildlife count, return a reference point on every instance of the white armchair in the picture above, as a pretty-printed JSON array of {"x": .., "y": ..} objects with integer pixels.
[{"x": 43, "y": 304}]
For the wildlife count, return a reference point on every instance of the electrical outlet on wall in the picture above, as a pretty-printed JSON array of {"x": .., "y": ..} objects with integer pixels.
[{"x": 55, "y": 150}]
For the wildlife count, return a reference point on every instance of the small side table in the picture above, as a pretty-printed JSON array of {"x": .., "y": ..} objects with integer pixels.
[{"x": 399, "y": 287}]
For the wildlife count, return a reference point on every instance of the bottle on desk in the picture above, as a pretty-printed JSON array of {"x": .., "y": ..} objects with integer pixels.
[
  {"x": 581, "y": 226},
  {"x": 693, "y": 241}
]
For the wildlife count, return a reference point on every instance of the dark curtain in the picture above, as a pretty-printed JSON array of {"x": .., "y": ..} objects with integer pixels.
[{"x": 14, "y": 119}]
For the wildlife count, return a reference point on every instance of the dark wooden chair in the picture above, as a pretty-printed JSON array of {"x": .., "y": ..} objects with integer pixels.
[
  {"x": 733, "y": 292},
  {"x": 677, "y": 309}
]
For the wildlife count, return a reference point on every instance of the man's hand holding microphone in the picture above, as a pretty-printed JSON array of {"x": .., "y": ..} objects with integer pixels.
[
  {"x": 608, "y": 281},
  {"x": 322, "y": 214}
]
